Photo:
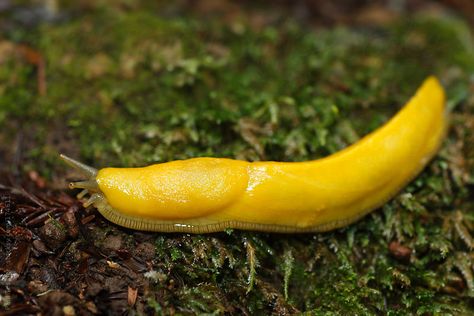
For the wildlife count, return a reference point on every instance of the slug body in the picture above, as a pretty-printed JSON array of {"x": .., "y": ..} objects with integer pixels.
[{"x": 203, "y": 195}]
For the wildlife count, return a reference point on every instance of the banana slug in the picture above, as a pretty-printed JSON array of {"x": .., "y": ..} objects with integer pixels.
[{"x": 203, "y": 195}]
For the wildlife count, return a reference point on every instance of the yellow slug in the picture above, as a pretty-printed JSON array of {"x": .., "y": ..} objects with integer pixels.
[{"x": 203, "y": 195}]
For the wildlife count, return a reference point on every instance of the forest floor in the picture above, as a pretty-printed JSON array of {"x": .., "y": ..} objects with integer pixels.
[{"x": 130, "y": 83}]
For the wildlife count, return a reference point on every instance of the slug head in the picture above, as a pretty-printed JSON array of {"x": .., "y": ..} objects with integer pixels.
[{"x": 174, "y": 190}]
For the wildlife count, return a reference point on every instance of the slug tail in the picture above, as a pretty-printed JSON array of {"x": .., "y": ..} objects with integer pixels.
[{"x": 88, "y": 170}]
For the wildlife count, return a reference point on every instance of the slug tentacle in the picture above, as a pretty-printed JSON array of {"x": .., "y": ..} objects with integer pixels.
[
  {"x": 90, "y": 185},
  {"x": 93, "y": 199},
  {"x": 88, "y": 170},
  {"x": 82, "y": 194}
]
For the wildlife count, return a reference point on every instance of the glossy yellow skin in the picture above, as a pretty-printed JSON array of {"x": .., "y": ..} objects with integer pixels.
[{"x": 212, "y": 194}]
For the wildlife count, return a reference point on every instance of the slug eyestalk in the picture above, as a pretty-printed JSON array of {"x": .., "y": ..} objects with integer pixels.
[{"x": 89, "y": 185}]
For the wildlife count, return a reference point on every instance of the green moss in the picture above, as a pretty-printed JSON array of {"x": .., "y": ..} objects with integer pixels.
[{"x": 132, "y": 88}]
